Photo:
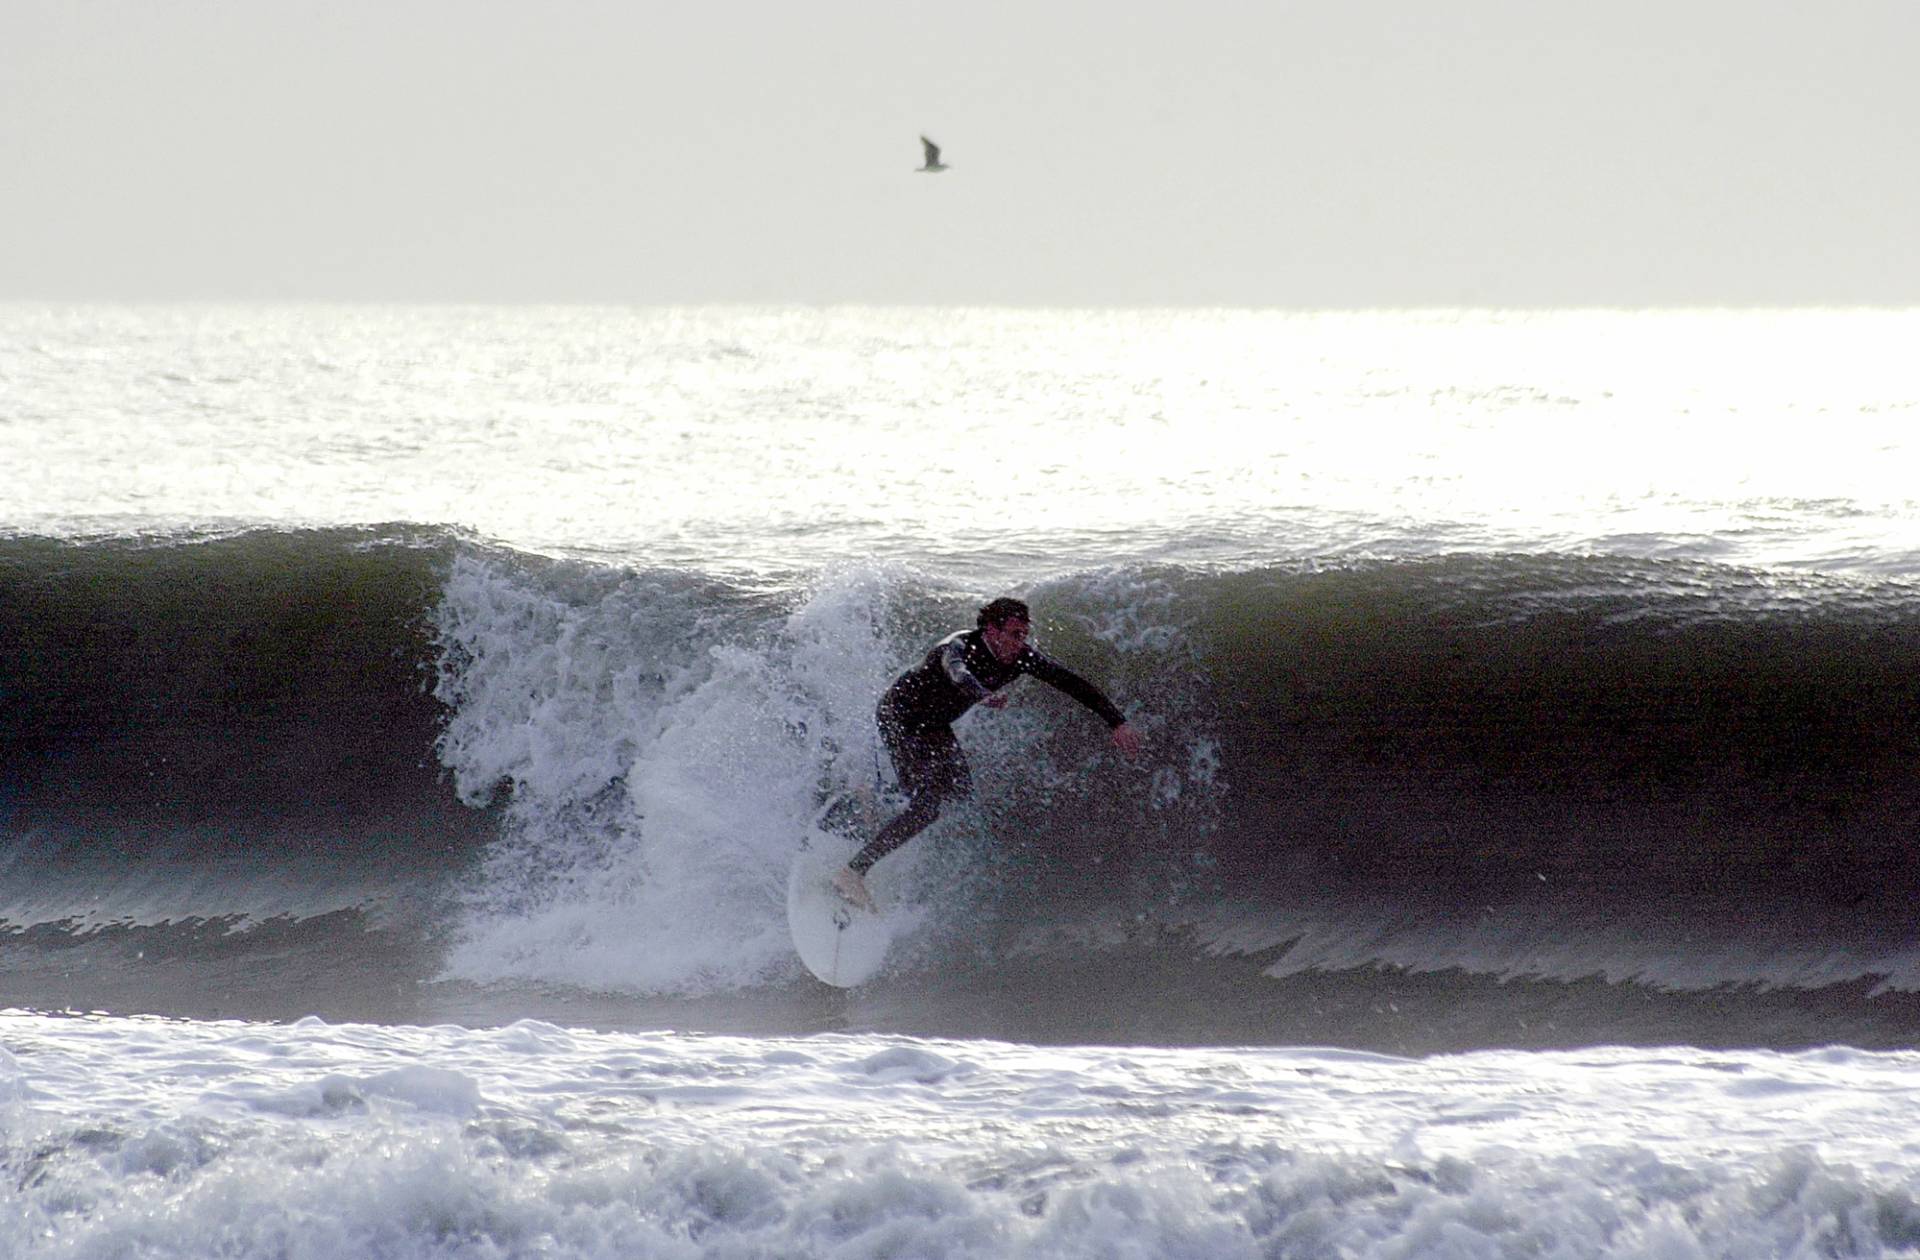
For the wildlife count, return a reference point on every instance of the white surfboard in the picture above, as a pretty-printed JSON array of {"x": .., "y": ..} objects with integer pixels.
[{"x": 842, "y": 945}]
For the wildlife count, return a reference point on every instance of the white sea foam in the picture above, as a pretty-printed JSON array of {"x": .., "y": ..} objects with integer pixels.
[
  {"x": 161, "y": 1139},
  {"x": 661, "y": 769},
  {"x": 659, "y": 758}
]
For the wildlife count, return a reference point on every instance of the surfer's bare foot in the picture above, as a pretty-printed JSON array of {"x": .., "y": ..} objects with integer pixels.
[{"x": 847, "y": 882}]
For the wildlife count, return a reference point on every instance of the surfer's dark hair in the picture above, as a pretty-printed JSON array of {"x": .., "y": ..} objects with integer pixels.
[{"x": 1000, "y": 611}]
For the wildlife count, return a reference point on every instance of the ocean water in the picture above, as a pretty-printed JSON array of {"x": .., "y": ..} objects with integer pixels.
[{"x": 408, "y": 715}]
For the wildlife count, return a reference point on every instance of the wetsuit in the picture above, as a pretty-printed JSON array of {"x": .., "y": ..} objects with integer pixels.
[{"x": 916, "y": 719}]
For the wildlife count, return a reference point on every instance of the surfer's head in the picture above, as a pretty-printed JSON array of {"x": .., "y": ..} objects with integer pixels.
[
  {"x": 1002, "y": 610},
  {"x": 1005, "y": 623}
]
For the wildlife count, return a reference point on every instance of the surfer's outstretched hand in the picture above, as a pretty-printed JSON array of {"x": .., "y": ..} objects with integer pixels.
[
  {"x": 847, "y": 882},
  {"x": 1126, "y": 739}
]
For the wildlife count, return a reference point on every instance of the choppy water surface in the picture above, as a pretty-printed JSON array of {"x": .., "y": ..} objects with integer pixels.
[
  {"x": 995, "y": 442},
  {"x": 406, "y": 716}
]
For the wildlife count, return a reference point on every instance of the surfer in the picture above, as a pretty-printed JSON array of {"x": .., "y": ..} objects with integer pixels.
[{"x": 917, "y": 714}]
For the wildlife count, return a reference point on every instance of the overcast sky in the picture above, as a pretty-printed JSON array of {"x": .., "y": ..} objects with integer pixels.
[{"x": 1328, "y": 153}]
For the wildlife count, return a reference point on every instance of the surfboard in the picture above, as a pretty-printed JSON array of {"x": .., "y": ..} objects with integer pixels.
[{"x": 838, "y": 943}]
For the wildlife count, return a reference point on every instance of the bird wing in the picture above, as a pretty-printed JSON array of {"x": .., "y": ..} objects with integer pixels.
[{"x": 933, "y": 151}]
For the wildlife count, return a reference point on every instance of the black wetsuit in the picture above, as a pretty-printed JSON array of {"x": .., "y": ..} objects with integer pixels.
[{"x": 916, "y": 719}]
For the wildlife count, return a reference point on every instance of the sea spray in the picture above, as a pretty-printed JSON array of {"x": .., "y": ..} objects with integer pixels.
[{"x": 661, "y": 748}]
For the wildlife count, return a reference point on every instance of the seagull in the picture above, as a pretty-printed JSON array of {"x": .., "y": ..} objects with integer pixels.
[{"x": 934, "y": 165}]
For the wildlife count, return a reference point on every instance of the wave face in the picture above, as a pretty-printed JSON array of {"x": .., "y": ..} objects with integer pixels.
[
  {"x": 220, "y": 727},
  {"x": 1433, "y": 775}
]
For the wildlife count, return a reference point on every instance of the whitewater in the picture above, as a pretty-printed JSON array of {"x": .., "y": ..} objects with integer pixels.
[{"x": 408, "y": 715}]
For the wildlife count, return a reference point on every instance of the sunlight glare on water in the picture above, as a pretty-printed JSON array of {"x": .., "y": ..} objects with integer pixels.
[{"x": 735, "y": 437}]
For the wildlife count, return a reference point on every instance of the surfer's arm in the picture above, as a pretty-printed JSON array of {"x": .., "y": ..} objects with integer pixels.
[
  {"x": 1059, "y": 677},
  {"x": 953, "y": 661}
]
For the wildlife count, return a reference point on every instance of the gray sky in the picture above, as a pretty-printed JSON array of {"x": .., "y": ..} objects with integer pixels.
[{"x": 1327, "y": 153}]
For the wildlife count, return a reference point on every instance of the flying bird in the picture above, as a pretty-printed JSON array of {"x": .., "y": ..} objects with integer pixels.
[{"x": 933, "y": 165}]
